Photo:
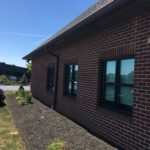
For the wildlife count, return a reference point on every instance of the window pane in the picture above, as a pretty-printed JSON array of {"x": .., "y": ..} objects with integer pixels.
[
  {"x": 75, "y": 87},
  {"x": 51, "y": 85},
  {"x": 109, "y": 93},
  {"x": 71, "y": 79},
  {"x": 126, "y": 96},
  {"x": 127, "y": 71},
  {"x": 110, "y": 71},
  {"x": 69, "y": 88},
  {"x": 51, "y": 73},
  {"x": 76, "y": 72},
  {"x": 50, "y": 80},
  {"x": 70, "y": 72}
]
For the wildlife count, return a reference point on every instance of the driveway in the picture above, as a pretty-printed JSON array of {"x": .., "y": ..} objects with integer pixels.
[{"x": 13, "y": 87}]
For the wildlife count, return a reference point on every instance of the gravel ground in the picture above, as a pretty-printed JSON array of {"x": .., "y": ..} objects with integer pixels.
[{"x": 39, "y": 126}]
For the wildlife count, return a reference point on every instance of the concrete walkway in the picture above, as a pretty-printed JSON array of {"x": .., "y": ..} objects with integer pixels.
[{"x": 13, "y": 87}]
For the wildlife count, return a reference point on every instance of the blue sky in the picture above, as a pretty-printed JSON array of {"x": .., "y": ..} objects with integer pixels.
[{"x": 25, "y": 24}]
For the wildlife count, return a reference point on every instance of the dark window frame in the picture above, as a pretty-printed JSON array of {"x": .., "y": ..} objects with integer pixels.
[
  {"x": 66, "y": 81},
  {"x": 116, "y": 106},
  {"x": 51, "y": 79}
]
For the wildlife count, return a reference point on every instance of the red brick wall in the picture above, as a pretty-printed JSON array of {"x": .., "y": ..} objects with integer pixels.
[
  {"x": 125, "y": 39},
  {"x": 39, "y": 78}
]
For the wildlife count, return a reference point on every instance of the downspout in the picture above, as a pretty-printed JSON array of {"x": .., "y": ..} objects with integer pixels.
[{"x": 56, "y": 78}]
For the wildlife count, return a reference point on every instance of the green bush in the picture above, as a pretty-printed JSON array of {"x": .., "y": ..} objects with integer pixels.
[
  {"x": 28, "y": 96},
  {"x": 21, "y": 87},
  {"x": 21, "y": 93},
  {"x": 8, "y": 93},
  {"x": 57, "y": 145},
  {"x": 24, "y": 79},
  {"x": 23, "y": 97},
  {"x": 22, "y": 102}
]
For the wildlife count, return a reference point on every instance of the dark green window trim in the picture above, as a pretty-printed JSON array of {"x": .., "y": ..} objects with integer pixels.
[
  {"x": 115, "y": 86},
  {"x": 50, "y": 79},
  {"x": 71, "y": 80}
]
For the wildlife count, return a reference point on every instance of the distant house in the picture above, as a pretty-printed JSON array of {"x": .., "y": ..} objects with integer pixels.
[
  {"x": 14, "y": 72},
  {"x": 96, "y": 71}
]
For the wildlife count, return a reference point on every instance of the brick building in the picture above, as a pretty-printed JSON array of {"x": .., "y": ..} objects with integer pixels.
[{"x": 96, "y": 71}]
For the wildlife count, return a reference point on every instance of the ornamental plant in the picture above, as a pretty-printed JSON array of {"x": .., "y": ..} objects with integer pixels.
[
  {"x": 57, "y": 145},
  {"x": 23, "y": 97}
]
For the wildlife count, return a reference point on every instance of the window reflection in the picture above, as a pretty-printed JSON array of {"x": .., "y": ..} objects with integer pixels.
[
  {"x": 127, "y": 71},
  {"x": 126, "y": 96},
  {"x": 110, "y": 71},
  {"x": 71, "y": 80},
  {"x": 109, "y": 93}
]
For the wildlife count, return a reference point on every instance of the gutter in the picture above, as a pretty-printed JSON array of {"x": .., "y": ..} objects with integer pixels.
[{"x": 56, "y": 78}]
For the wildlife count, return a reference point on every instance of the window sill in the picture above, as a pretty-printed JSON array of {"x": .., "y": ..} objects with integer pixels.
[{"x": 114, "y": 114}]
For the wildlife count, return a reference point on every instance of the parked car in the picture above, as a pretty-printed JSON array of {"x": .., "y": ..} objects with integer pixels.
[{"x": 2, "y": 97}]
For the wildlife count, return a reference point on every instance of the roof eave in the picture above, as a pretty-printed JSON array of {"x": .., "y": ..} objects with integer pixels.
[{"x": 99, "y": 14}]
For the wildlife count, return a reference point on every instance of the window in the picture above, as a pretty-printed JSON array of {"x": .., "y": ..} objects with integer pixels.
[
  {"x": 50, "y": 79},
  {"x": 118, "y": 81},
  {"x": 71, "y": 80}
]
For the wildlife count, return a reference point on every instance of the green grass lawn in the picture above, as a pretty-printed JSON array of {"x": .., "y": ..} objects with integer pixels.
[{"x": 9, "y": 136}]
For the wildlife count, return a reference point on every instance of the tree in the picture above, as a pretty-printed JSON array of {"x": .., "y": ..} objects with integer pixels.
[
  {"x": 29, "y": 68},
  {"x": 24, "y": 79},
  {"x": 4, "y": 79}
]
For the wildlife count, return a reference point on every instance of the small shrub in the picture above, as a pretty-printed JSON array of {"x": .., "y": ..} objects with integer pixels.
[
  {"x": 8, "y": 93},
  {"x": 18, "y": 98},
  {"x": 21, "y": 87},
  {"x": 22, "y": 102},
  {"x": 28, "y": 96},
  {"x": 16, "y": 92},
  {"x": 23, "y": 97},
  {"x": 57, "y": 145},
  {"x": 21, "y": 93}
]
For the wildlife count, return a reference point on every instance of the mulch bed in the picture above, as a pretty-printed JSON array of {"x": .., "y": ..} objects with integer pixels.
[{"x": 40, "y": 125}]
